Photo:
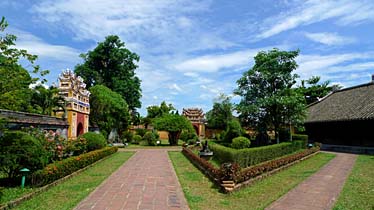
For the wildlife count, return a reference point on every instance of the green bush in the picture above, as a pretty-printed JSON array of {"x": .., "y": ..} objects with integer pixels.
[
  {"x": 94, "y": 140},
  {"x": 20, "y": 150},
  {"x": 252, "y": 156},
  {"x": 60, "y": 169},
  {"x": 141, "y": 131},
  {"x": 234, "y": 129},
  {"x": 136, "y": 139},
  {"x": 240, "y": 142},
  {"x": 188, "y": 135},
  {"x": 150, "y": 138},
  {"x": 300, "y": 137},
  {"x": 127, "y": 136}
]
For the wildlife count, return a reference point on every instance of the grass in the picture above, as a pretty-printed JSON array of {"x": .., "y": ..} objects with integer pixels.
[
  {"x": 203, "y": 194},
  {"x": 8, "y": 194},
  {"x": 358, "y": 191},
  {"x": 69, "y": 193}
]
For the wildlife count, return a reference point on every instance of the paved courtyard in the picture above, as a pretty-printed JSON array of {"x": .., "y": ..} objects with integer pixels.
[{"x": 146, "y": 181}]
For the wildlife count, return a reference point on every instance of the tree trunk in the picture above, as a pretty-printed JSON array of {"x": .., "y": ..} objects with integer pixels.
[{"x": 173, "y": 137}]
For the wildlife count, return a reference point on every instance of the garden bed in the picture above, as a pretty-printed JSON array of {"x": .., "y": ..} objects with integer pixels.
[{"x": 231, "y": 176}]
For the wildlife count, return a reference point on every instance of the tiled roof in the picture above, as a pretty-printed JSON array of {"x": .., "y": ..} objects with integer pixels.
[
  {"x": 30, "y": 118},
  {"x": 354, "y": 103}
]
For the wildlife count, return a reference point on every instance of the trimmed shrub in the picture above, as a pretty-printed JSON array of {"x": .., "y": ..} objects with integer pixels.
[
  {"x": 20, "y": 150},
  {"x": 60, "y": 169},
  {"x": 140, "y": 131},
  {"x": 234, "y": 129},
  {"x": 240, "y": 142},
  {"x": 94, "y": 140},
  {"x": 300, "y": 137},
  {"x": 252, "y": 156},
  {"x": 187, "y": 135},
  {"x": 150, "y": 138},
  {"x": 127, "y": 136},
  {"x": 136, "y": 139}
]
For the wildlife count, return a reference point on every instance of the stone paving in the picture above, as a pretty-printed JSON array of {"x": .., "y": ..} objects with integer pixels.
[
  {"x": 146, "y": 181},
  {"x": 321, "y": 190}
]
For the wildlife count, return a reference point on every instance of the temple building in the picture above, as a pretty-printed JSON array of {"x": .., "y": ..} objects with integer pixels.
[
  {"x": 73, "y": 89},
  {"x": 197, "y": 118}
]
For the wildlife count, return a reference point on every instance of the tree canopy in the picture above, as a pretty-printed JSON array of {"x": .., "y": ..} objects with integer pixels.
[
  {"x": 268, "y": 98},
  {"x": 174, "y": 124},
  {"x": 313, "y": 89},
  {"x": 221, "y": 113},
  {"x": 15, "y": 80},
  {"x": 112, "y": 65},
  {"x": 108, "y": 109}
]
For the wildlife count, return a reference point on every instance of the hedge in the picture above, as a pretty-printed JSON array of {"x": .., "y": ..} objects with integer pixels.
[
  {"x": 60, "y": 169},
  {"x": 252, "y": 156}
]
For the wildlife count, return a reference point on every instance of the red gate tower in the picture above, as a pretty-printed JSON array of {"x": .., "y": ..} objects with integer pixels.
[
  {"x": 196, "y": 117},
  {"x": 73, "y": 89}
]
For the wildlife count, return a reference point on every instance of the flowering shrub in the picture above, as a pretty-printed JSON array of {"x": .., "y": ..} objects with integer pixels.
[{"x": 59, "y": 169}]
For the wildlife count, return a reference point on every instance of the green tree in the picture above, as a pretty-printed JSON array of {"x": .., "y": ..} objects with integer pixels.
[
  {"x": 108, "y": 109},
  {"x": 313, "y": 89},
  {"x": 112, "y": 65},
  {"x": 15, "y": 80},
  {"x": 268, "y": 98},
  {"x": 174, "y": 124},
  {"x": 155, "y": 111},
  {"x": 45, "y": 100},
  {"x": 221, "y": 113}
]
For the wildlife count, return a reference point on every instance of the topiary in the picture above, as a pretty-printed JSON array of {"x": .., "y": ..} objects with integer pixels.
[
  {"x": 150, "y": 138},
  {"x": 240, "y": 142},
  {"x": 188, "y": 135},
  {"x": 94, "y": 140},
  {"x": 136, "y": 139},
  {"x": 20, "y": 150}
]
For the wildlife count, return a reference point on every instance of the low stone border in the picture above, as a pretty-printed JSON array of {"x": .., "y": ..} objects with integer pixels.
[{"x": 16, "y": 202}]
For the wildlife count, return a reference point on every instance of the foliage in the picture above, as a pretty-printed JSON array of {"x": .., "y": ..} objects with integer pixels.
[
  {"x": 300, "y": 137},
  {"x": 94, "y": 140},
  {"x": 15, "y": 80},
  {"x": 20, "y": 150},
  {"x": 240, "y": 142},
  {"x": 150, "y": 138},
  {"x": 268, "y": 100},
  {"x": 59, "y": 169},
  {"x": 174, "y": 124},
  {"x": 252, "y": 156},
  {"x": 313, "y": 90},
  {"x": 233, "y": 130},
  {"x": 127, "y": 136},
  {"x": 45, "y": 100},
  {"x": 158, "y": 111},
  {"x": 188, "y": 135},
  {"x": 112, "y": 65},
  {"x": 141, "y": 131},
  {"x": 108, "y": 109},
  {"x": 221, "y": 113},
  {"x": 136, "y": 139}
]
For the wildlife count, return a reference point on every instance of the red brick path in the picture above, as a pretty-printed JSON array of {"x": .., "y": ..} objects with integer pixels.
[
  {"x": 146, "y": 181},
  {"x": 321, "y": 190}
]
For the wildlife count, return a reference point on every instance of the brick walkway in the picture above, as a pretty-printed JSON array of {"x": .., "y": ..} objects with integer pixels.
[
  {"x": 146, "y": 181},
  {"x": 321, "y": 190}
]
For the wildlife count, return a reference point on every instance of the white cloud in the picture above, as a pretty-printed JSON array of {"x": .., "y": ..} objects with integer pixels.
[
  {"x": 329, "y": 38},
  {"x": 175, "y": 87},
  {"x": 345, "y": 11},
  {"x": 37, "y": 46}
]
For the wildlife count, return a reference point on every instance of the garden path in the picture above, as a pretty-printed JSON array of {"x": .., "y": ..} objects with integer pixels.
[
  {"x": 146, "y": 181},
  {"x": 320, "y": 190}
]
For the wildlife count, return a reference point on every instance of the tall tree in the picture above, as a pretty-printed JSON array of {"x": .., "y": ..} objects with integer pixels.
[
  {"x": 15, "y": 80},
  {"x": 313, "y": 89},
  {"x": 112, "y": 65},
  {"x": 45, "y": 100},
  {"x": 221, "y": 113},
  {"x": 173, "y": 124},
  {"x": 266, "y": 90},
  {"x": 108, "y": 109}
]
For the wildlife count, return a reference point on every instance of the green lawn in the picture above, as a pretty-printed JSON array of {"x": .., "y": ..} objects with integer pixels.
[
  {"x": 203, "y": 194},
  {"x": 69, "y": 193},
  {"x": 358, "y": 191}
]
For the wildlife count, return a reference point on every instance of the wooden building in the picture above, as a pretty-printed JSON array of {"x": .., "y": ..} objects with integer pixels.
[{"x": 344, "y": 117}]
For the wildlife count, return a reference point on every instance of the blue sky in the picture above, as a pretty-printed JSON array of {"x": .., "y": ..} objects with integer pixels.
[{"x": 191, "y": 51}]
